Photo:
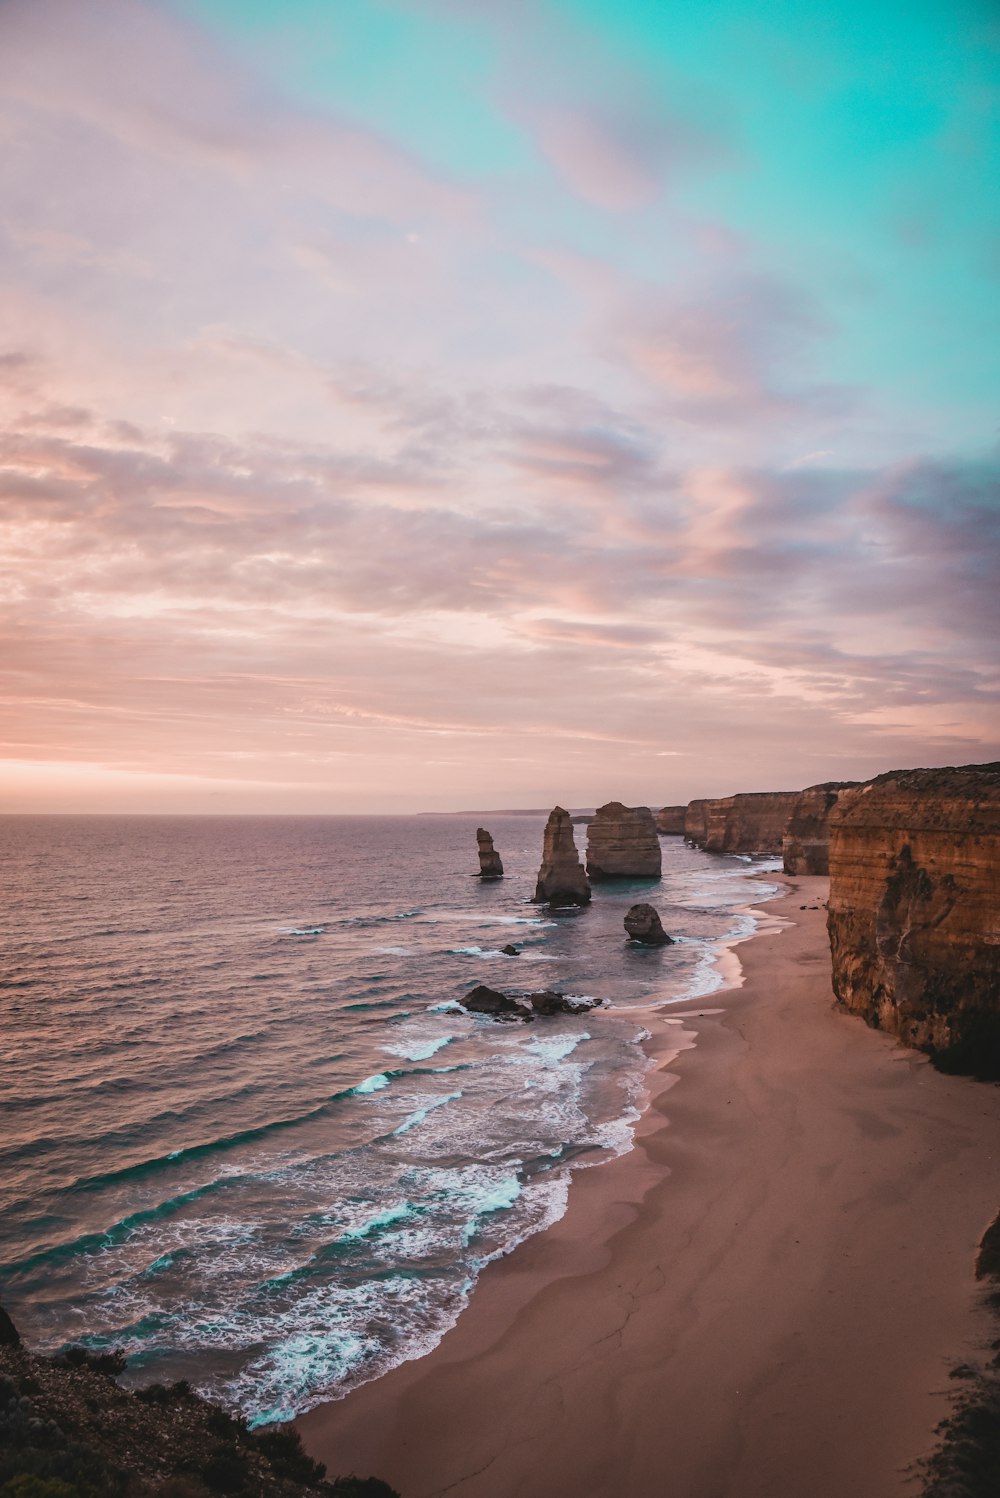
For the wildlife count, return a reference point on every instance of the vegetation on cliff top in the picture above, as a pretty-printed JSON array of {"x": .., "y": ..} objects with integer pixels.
[
  {"x": 67, "y": 1430},
  {"x": 966, "y": 1463}
]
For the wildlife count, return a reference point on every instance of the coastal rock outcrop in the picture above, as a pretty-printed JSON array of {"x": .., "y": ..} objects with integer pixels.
[
  {"x": 546, "y": 1002},
  {"x": 490, "y": 866},
  {"x": 805, "y": 847},
  {"x": 670, "y": 821},
  {"x": 914, "y": 916},
  {"x": 750, "y": 822},
  {"x": 622, "y": 843},
  {"x": 643, "y": 924},
  {"x": 562, "y": 880},
  {"x": 549, "y": 1002},
  {"x": 483, "y": 1000}
]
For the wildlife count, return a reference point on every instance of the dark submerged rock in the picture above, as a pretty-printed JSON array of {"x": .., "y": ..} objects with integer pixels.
[
  {"x": 510, "y": 950},
  {"x": 643, "y": 925}
]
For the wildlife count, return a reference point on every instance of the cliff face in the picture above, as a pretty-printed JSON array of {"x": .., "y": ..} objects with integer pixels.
[
  {"x": 752, "y": 822},
  {"x": 561, "y": 878},
  {"x": 805, "y": 847},
  {"x": 696, "y": 822},
  {"x": 622, "y": 843},
  {"x": 915, "y": 910},
  {"x": 716, "y": 820},
  {"x": 670, "y": 820}
]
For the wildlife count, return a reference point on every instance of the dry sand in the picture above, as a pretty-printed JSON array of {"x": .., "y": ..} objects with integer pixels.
[{"x": 762, "y": 1300}]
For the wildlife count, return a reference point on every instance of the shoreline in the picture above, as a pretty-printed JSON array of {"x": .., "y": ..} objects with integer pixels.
[{"x": 763, "y": 1297}]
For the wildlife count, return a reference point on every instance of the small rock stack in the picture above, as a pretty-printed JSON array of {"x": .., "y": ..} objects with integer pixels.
[{"x": 490, "y": 866}]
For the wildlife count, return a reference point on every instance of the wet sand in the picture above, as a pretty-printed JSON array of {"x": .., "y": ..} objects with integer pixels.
[{"x": 762, "y": 1300}]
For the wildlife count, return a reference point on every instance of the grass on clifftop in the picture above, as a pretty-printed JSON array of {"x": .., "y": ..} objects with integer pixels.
[{"x": 68, "y": 1431}]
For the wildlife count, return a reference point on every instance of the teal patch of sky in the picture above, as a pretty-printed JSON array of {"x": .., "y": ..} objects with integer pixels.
[
  {"x": 424, "y": 81},
  {"x": 862, "y": 169},
  {"x": 869, "y": 170}
]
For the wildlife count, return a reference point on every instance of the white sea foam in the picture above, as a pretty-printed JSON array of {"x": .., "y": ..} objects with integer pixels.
[
  {"x": 552, "y": 1051},
  {"x": 419, "y": 1050},
  {"x": 423, "y": 1113},
  {"x": 372, "y": 1084}
]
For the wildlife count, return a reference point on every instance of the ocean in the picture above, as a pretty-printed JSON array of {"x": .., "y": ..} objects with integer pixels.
[{"x": 248, "y": 1134}]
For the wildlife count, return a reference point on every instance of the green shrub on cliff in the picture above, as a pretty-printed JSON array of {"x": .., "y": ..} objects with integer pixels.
[{"x": 68, "y": 1430}]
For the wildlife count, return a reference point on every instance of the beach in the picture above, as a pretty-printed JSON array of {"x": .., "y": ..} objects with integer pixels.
[{"x": 764, "y": 1297}]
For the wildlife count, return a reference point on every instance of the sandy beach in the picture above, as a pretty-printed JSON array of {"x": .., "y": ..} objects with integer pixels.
[{"x": 762, "y": 1300}]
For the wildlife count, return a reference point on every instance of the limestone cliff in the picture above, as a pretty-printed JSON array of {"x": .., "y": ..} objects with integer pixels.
[
  {"x": 670, "y": 820},
  {"x": 716, "y": 821},
  {"x": 751, "y": 822},
  {"x": 622, "y": 843},
  {"x": 915, "y": 910},
  {"x": 696, "y": 822},
  {"x": 805, "y": 847},
  {"x": 561, "y": 878},
  {"x": 490, "y": 866}
]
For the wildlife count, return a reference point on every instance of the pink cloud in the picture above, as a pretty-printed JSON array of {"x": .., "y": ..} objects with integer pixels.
[
  {"x": 622, "y": 158},
  {"x": 316, "y": 470}
]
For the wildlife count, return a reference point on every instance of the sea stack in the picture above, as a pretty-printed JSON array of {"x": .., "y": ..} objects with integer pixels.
[
  {"x": 561, "y": 878},
  {"x": 490, "y": 866},
  {"x": 622, "y": 843},
  {"x": 915, "y": 911},
  {"x": 670, "y": 821}
]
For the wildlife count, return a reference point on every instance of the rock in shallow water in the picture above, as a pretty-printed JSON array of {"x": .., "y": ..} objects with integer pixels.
[
  {"x": 643, "y": 925},
  {"x": 550, "y": 1002},
  {"x": 483, "y": 1000}
]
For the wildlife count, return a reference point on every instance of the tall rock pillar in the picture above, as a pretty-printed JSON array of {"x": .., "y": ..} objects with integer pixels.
[
  {"x": 490, "y": 866},
  {"x": 561, "y": 878}
]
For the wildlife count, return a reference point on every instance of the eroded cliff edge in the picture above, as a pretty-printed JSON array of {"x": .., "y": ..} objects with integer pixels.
[
  {"x": 749, "y": 822},
  {"x": 914, "y": 916},
  {"x": 805, "y": 846}
]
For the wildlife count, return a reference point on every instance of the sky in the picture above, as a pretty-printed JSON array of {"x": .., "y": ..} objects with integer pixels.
[{"x": 439, "y": 404}]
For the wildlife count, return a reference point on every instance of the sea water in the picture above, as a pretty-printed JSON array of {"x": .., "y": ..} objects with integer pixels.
[{"x": 248, "y": 1133}]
